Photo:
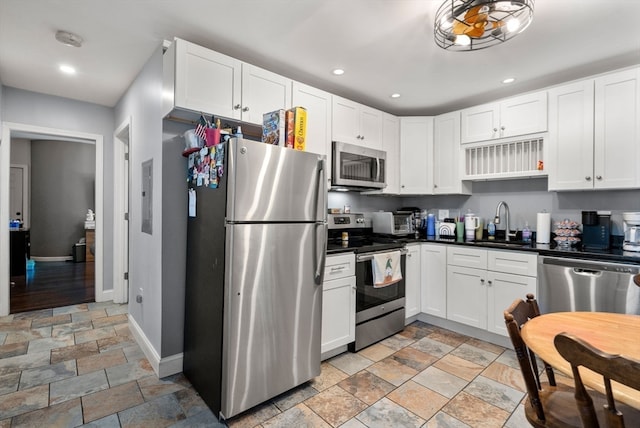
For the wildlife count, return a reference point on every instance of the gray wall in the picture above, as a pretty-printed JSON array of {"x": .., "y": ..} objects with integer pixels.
[
  {"x": 49, "y": 111},
  {"x": 62, "y": 190},
  {"x": 525, "y": 198},
  {"x": 21, "y": 151}
]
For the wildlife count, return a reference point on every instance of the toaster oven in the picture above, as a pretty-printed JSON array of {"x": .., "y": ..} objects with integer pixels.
[{"x": 392, "y": 223}]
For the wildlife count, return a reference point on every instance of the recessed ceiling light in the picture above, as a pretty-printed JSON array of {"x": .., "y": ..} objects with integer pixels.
[
  {"x": 396, "y": 95},
  {"x": 68, "y": 38},
  {"x": 67, "y": 69},
  {"x": 509, "y": 80},
  {"x": 338, "y": 72}
]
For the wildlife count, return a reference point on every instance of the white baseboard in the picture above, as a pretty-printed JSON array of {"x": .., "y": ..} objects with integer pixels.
[
  {"x": 162, "y": 366},
  {"x": 51, "y": 259}
]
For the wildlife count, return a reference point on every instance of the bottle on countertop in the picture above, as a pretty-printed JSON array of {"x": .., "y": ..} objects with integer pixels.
[
  {"x": 491, "y": 230},
  {"x": 239, "y": 132},
  {"x": 526, "y": 233}
]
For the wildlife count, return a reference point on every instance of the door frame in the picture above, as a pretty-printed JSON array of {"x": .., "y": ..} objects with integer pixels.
[
  {"x": 121, "y": 207},
  {"x": 26, "y": 219},
  {"x": 5, "y": 160}
]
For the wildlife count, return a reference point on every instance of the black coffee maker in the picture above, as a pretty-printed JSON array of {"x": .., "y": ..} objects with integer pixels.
[{"x": 596, "y": 230}]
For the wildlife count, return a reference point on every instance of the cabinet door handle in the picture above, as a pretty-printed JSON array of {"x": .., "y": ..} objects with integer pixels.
[
  {"x": 495, "y": 129},
  {"x": 481, "y": 280},
  {"x": 245, "y": 109},
  {"x": 435, "y": 186},
  {"x": 588, "y": 178},
  {"x": 489, "y": 282},
  {"x": 236, "y": 107},
  {"x": 599, "y": 177}
]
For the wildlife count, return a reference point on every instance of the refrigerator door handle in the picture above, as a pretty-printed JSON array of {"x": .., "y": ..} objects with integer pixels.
[
  {"x": 320, "y": 208},
  {"x": 320, "y": 253}
]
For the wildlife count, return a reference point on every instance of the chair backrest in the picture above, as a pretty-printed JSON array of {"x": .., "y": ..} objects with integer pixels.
[
  {"x": 515, "y": 317},
  {"x": 612, "y": 367},
  {"x": 636, "y": 279}
]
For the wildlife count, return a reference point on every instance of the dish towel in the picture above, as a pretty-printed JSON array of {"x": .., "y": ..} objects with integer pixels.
[{"x": 386, "y": 269}]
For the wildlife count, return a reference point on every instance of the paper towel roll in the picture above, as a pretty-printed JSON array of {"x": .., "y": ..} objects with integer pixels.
[{"x": 543, "y": 228}]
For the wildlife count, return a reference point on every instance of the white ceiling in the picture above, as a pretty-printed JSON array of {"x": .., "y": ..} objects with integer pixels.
[{"x": 385, "y": 46}]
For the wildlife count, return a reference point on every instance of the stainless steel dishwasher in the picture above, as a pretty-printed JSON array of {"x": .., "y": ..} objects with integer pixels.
[{"x": 583, "y": 285}]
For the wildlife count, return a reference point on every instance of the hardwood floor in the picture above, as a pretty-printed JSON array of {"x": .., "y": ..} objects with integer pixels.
[{"x": 53, "y": 284}]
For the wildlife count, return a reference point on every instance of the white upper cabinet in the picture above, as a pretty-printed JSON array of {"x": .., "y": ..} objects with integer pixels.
[
  {"x": 521, "y": 115},
  {"x": 391, "y": 145},
  {"x": 318, "y": 106},
  {"x": 617, "y": 130},
  {"x": 262, "y": 92},
  {"x": 447, "y": 156},
  {"x": 416, "y": 155},
  {"x": 356, "y": 123},
  {"x": 204, "y": 81},
  {"x": 570, "y": 160},
  {"x": 594, "y": 133},
  {"x": 199, "y": 79}
]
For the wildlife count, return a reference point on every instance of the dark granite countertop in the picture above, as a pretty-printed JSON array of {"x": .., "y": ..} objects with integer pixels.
[{"x": 578, "y": 252}]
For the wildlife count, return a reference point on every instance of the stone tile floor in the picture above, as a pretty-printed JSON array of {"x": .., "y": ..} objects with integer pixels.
[{"x": 80, "y": 366}]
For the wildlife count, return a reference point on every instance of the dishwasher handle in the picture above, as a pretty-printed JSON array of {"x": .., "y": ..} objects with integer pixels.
[
  {"x": 585, "y": 266},
  {"x": 587, "y": 272}
]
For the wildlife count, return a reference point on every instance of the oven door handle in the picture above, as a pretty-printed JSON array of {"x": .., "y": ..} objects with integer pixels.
[{"x": 369, "y": 256}]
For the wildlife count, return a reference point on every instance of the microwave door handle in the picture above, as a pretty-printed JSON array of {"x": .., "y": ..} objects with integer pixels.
[{"x": 378, "y": 170}]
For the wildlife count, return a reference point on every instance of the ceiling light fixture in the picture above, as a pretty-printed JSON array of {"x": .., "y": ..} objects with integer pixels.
[
  {"x": 67, "y": 69},
  {"x": 509, "y": 80},
  {"x": 68, "y": 38},
  {"x": 338, "y": 72},
  {"x": 396, "y": 95},
  {"x": 468, "y": 25}
]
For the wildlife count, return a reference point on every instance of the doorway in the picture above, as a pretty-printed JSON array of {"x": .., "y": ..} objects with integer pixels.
[
  {"x": 14, "y": 130},
  {"x": 122, "y": 177}
]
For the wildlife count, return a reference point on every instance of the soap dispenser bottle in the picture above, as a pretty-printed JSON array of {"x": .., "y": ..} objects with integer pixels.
[
  {"x": 491, "y": 230},
  {"x": 526, "y": 233}
]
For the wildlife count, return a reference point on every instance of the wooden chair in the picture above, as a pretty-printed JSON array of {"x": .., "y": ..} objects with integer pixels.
[
  {"x": 549, "y": 405},
  {"x": 636, "y": 279},
  {"x": 611, "y": 367}
]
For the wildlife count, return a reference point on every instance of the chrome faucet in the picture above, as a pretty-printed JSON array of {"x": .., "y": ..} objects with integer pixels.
[{"x": 496, "y": 220}]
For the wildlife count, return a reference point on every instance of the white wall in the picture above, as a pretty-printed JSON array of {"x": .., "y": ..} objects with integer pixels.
[
  {"x": 31, "y": 108},
  {"x": 1, "y": 105},
  {"x": 143, "y": 104}
]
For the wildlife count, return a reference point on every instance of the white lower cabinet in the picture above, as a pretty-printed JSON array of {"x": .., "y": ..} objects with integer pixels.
[
  {"x": 412, "y": 281},
  {"x": 481, "y": 284},
  {"x": 433, "y": 295},
  {"x": 338, "y": 302}
]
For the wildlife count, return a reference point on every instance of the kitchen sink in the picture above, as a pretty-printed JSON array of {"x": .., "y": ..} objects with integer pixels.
[{"x": 503, "y": 244}]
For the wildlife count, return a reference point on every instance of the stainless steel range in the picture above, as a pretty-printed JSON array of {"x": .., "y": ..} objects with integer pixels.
[{"x": 379, "y": 311}]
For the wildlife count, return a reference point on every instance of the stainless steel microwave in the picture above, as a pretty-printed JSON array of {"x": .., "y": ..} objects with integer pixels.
[{"x": 356, "y": 167}]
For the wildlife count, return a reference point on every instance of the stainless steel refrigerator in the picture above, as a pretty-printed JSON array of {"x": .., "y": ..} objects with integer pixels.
[{"x": 255, "y": 261}]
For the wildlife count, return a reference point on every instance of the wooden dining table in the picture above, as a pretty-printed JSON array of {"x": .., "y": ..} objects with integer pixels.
[{"x": 611, "y": 333}]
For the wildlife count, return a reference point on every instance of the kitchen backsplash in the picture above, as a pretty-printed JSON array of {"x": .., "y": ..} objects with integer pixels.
[{"x": 525, "y": 199}]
